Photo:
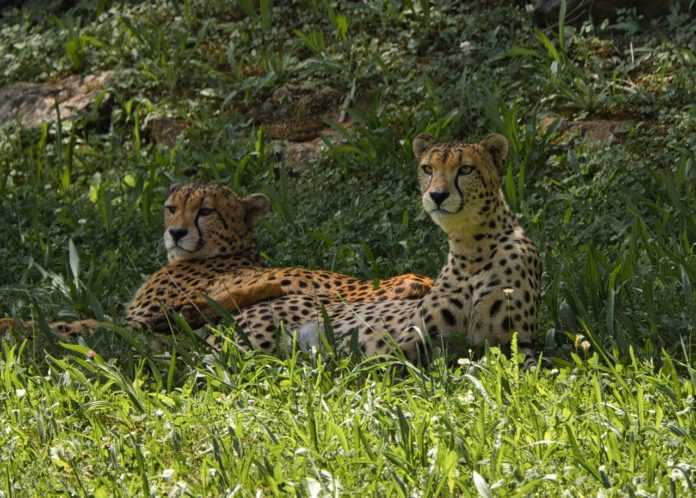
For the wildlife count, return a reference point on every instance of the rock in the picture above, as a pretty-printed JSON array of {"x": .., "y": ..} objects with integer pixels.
[
  {"x": 297, "y": 112},
  {"x": 164, "y": 130},
  {"x": 297, "y": 155},
  {"x": 34, "y": 103},
  {"x": 598, "y": 131},
  {"x": 594, "y": 132},
  {"x": 546, "y": 11},
  {"x": 294, "y": 117}
]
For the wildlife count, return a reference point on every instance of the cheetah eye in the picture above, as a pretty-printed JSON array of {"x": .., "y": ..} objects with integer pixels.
[
  {"x": 204, "y": 211},
  {"x": 427, "y": 169},
  {"x": 171, "y": 209},
  {"x": 465, "y": 170}
]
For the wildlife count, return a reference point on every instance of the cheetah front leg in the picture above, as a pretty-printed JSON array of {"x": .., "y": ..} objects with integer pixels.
[{"x": 199, "y": 311}]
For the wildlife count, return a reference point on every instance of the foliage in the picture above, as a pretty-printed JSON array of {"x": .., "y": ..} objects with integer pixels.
[
  {"x": 614, "y": 221},
  {"x": 312, "y": 426}
]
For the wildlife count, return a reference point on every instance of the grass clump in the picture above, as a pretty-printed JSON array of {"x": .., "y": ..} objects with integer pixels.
[{"x": 301, "y": 424}]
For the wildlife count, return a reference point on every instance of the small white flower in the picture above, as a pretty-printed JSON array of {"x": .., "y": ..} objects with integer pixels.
[
  {"x": 463, "y": 362},
  {"x": 585, "y": 345},
  {"x": 20, "y": 393},
  {"x": 167, "y": 474},
  {"x": 467, "y": 398},
  {"x": 508, "y": 291}
]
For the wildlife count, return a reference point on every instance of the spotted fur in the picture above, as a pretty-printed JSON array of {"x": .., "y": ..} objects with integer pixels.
[
  {"x": 212, "y": 253},
  {"x": 488, "y": 288}
]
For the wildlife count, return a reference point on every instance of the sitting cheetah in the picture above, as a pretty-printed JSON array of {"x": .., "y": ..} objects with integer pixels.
[
  {"x": 488, "y": 289},
  {"x": 212, "y": 251}
]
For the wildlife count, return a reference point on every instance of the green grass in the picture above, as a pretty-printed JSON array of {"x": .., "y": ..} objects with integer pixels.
[
  {"x": 295, "y": 425},
  {"x": 81, "y": 209}
]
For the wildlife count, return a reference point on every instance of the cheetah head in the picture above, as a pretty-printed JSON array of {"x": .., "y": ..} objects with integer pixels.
[
  {"x": 209, "y": 220},
  {"x": 460, "y": 183}
]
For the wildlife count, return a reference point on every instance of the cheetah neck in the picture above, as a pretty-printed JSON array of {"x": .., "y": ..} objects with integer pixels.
[
  {"x": 250, "y": 253},
  {"x": 239, "y": 259},
  {"x": 242, "y": 246},
  {"x": 452, "y": 302},
  {"x": 477, "y": 244},
  {"x": 243, "y": 249},
  {"x": 219, "y": 262}
]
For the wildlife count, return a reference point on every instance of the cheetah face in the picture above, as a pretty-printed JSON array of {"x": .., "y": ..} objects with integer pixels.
[
  {"x": 204, "y": 221},
  {"x": 460, "y": 182}
]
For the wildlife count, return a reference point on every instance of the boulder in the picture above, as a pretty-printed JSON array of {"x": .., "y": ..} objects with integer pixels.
[
  {"x": 164, "y": 130},
  {"x": 31, "y": 104},
  {"x": 595, "y": 132},
  {"x": 297, "y": 112}
]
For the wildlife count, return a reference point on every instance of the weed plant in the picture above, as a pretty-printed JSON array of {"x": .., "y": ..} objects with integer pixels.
[{"x": 614, "y": 220}]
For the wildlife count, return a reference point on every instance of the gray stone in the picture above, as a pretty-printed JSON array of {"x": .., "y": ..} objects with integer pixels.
[
  {"x": 164, "y": 130},
  {"x": 31, "y": 104},
  {"x": 593, "y": 132},
  {"x": 297, "y": 112}
]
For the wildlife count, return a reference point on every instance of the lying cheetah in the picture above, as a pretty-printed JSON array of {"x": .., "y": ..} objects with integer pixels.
[
  {"x": 488, "y": 289},
  {"x": 212, "y": 251}
]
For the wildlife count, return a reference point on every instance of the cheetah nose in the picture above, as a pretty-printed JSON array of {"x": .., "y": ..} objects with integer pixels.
[
  {"x": 439, "y": 197},
  {"x": 177, "y": 233}
]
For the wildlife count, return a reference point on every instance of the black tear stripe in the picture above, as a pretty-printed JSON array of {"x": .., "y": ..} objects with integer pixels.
[
  {"x": 200, "y": 233},
  {"x": 459, "y": 191},
  {"x": 429, "y": 182}
]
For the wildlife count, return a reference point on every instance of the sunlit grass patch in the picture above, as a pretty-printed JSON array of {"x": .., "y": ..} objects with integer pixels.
[{"x": 277, "y": 425}]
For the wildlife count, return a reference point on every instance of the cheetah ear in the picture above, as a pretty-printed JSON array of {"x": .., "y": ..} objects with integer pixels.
[
  {"x": 421, "y": 143},
  {"x": 497, "y": 146},
  {"x": 175, "y": 187},
  {"x": 255, "y": 207}
]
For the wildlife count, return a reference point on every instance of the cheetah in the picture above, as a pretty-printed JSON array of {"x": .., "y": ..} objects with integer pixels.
[
  {"x": 212, "y": 253},
  {"x": 488, "y": 288}
]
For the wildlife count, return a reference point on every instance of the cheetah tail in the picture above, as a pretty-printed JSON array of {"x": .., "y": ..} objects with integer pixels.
[{"x": 64, "y": 329}]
